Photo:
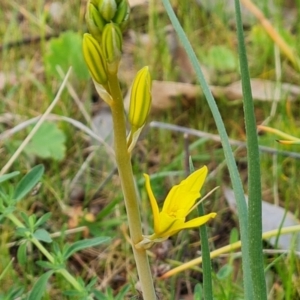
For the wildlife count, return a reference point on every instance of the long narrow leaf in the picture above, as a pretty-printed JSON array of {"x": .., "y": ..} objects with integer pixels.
[
  {"x": 6, "y": 269},
  {"x": 77, "y": 246},
  {"x": 39, "y": 287},
  {"x": 6, "y": 177},
  {"x": 207, "y": 278},
  {"x": 28, "y": 182},
  {"x": 254, "y": 199},
  {"x": 233, "y": 171},
  {"x": 206, "y": 263}
]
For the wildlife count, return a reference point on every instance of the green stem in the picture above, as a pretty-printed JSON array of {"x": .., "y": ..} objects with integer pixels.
[
  {"x": 37, "y": 243},
  {"x": 123, "y": 160},
  {"x": 254, "y": 200},
  {"x": 206, "y": 264}
]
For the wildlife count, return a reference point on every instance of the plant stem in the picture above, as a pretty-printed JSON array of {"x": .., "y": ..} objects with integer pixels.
[
  {"x": 71, "y": 279},
  {"x": 207, "y": 279},
  {"x": 123, "y": 160}
]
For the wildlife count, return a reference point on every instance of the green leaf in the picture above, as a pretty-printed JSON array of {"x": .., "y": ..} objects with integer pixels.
[
  {"x": 12, "y": 293},
  {"x": 121, "y": 295},
  {"x": 73, "y": 293},
  {"x": 77, "y": 246},
  {"x": 6, "y": 211},
  {"x": 230, "y": 159},
  {"x": 99, "y": 295},
  {"x": 39, "y": 287},
  {"x": 42, "y": 235},
  {"x": 221, "y": 58},
  {"x": 91, "y": 283},
  {"x": 48, "y": 142},
  {"x": 109, "y": 293},
  {"x": 66, "y": 51},
  {"x": 28, "y": 182},
  {"x": 8, "y": 176},
  {"x": 21, "y": 254},
  {"x": 22, "y": 231},
  {"x": 198, "y": 293},
  {"x": 45, "y": 264},
  {"x": 5, "y": 269},
  {"x": 224, "y": 272},
  {"x": 43, "y": 219},
  {"x": 234, "y": 235}
]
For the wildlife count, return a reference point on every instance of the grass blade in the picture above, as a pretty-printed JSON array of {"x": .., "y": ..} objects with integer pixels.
[
  {"x": 235, "y": 178},
  {"x": 207, "y": 279},
  {"x": 254, "y": 200}
]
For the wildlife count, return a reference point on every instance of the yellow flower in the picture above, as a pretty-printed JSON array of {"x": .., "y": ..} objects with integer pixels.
[{"x": 178, "y": 204}]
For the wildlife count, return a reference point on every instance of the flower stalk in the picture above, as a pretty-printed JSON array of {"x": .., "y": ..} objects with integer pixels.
[
  {"x": 123, "y": 159},
  {"x": 102, "y": 51}
]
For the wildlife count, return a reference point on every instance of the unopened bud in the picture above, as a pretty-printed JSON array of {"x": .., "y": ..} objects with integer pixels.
[
  {"x": 95, "y": 2},
  {"x": 122, "y": 14},
  {"x": 94, "y": 59},
  {"x": 140, "y": 99},
  {"x": 107, "y": 9},
  {"x": 95, "y": 21},
  {"x": 112, "y": 46}
]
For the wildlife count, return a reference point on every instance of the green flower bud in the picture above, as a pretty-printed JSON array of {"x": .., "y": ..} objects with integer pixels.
[
  {"x": 122, "y": 15},
  {"x": 94, "y": 59},
  {"x": 107, "y": 9},
  {"x": 95, "y": 21},
  {"x": 95, "y": 2},
  {"x": 112, "y": 46},
  {"x": 140, "y": 99}
]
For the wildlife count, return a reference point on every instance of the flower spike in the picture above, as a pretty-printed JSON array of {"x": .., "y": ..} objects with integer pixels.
[{"x": 178, "y": 204}]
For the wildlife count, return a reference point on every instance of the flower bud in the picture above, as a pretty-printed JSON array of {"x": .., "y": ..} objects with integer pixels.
[
  {"x": 112, "y": 46},
  {"x": 95, "y": 21},
  {"x": 94, "y": 59},
  {"x": 122, "y": 14},
  {"x": 140, "y": 99},
  {"x": 95, "y": 2},
  {"x": 107, "y": 9}
]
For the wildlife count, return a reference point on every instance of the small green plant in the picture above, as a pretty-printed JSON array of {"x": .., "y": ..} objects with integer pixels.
[
  {"x": 47, "y": 143},
  {"x": 63, "y": 52},
  {"x": 29, "y": 230}
]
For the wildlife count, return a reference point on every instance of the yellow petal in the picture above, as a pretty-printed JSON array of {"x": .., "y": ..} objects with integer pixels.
[
  {"x": 153, "y": 203},
  {"x": 195, "y": 181},
  {"x": 198, "y": 221},
  {"x": 166, "y": 225},
  {"x": 179, "y": 225},
  {"x": 183, "y": 196}
]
